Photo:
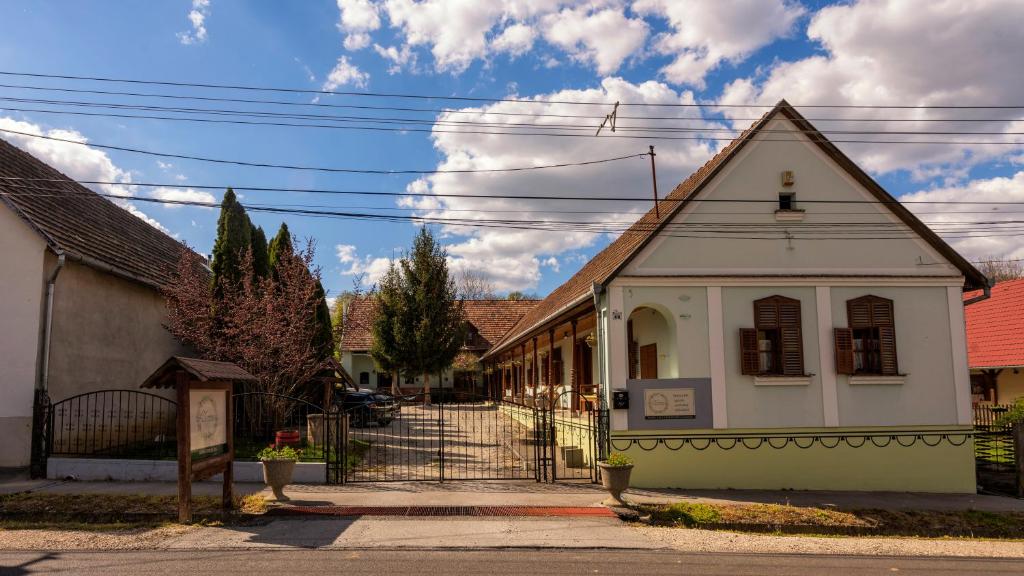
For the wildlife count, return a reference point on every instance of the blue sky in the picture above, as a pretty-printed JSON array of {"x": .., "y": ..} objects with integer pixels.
[{"x": 648, "y": 51}]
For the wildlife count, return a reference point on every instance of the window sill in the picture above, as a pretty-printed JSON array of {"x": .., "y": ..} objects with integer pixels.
[
  {"x": 789, "y": 215},
  {"x": 865, "y": 380},
  {"x": 782, "y": 380}
]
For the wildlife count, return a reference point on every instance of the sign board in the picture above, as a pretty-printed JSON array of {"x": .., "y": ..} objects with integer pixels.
[
  {"x": 669, "y": 403},
  {"x": 208, "y": 410}
]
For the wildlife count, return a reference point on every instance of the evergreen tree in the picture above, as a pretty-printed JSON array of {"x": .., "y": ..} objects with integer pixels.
[
  {"x": 432, "y": 323},
  {"x": 323, "y": 339},
  {"x": 282, "y": 242},
  {"x": 384, "y": 345},
  {"x": 233, "y": 237},
  {"x": 260, "y": 256}
]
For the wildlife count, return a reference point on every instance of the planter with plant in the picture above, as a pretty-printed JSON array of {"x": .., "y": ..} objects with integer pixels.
[
  {"x": 278, "y": 467},
  {"x": 615, "y": 471}
]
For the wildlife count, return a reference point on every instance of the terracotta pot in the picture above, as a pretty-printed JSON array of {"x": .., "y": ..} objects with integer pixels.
[
  {"x": 277, "y": 474},
  {"x": 615, "y": 480},
  {"x": 287, "y": 438}
]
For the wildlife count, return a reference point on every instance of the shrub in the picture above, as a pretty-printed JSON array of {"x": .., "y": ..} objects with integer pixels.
[
  {"x": 282, "y": 453},
  {"x": 1012, "y": 416}
]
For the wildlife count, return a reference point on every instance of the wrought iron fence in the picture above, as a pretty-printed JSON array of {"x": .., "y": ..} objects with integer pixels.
[
  {"x": 263, "y": 419},
  {"x": 112, "y": 424}
]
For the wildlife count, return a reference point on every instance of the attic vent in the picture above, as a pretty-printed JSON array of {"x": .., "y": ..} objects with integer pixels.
[{"x": 788, "y": 179}]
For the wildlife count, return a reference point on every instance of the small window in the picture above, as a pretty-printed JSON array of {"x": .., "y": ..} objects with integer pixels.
[
  {"x": 868, "y": 345},
  {"x": 775, "y": 345},
  {"x": 787, "y": 201},
  {"x": 364, "y": 378}
]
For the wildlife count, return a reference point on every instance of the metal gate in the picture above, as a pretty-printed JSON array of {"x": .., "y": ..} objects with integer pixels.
[{"x": 463, "y": 436}]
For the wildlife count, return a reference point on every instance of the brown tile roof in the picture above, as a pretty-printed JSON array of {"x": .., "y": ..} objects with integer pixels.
[
  {"x": 83, "y": 224},
  {"x": 202, "y": 370},
  {"x": 491, "y": 318},
  {"x": 607, "y": 263}
]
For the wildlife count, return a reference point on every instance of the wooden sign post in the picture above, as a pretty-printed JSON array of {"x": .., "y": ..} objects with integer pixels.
[{"x": 203, "y": 391}]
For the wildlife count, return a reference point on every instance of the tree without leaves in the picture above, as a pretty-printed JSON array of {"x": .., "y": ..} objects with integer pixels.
[
  {"x": 475, "y": 286},
  {"x": 265, "y": 325},
  {"x": 1000, "y": 270},
  {"x": 517, "y": 295}
]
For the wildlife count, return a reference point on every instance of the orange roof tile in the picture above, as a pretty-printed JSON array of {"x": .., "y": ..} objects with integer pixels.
[{"x": 995, "y": 327}]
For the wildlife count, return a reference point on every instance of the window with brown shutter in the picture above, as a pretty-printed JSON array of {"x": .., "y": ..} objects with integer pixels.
[
  {"x": 775, "y": 345},
  {"x": 869, "y": 345}
]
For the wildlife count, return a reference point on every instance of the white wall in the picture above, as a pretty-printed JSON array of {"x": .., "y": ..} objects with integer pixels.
[{"x": 22, "y": 280}]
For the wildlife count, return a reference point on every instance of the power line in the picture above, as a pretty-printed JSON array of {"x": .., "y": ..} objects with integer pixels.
[
  {"x": 474, "y": 112},
  {"x": 483, "y": 99},
  {"x": 322, "y": 168},
  {"x": 668, "y": 201}
]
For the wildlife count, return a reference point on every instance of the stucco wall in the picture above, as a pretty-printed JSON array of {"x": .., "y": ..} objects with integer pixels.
[
  {"x": 107, "y": 333},
  {"x": 686, "y": 308},
  {"x": 1010, "y": 385},
  {"x": 923, "y": 352},
  {"x": 22, "y": 280}
]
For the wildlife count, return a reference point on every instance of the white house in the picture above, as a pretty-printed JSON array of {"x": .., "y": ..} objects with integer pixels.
[{"x": 778, "y": 321}]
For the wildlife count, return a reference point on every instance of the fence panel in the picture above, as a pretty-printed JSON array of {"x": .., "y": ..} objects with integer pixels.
[{"x": 113, "y": 424}]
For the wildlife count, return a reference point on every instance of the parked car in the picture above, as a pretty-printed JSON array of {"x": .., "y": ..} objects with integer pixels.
[{"x": 365, "y": 407}]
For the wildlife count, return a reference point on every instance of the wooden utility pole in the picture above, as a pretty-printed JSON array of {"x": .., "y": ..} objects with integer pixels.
[{"x": 654, "y": 181}]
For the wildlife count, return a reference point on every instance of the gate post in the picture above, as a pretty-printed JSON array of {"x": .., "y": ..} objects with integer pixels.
[
  {"x": 1018, "y": 456},
  {"x": 42, "y": 429}
]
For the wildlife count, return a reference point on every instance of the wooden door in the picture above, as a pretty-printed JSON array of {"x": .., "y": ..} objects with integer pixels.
[{"x": 649, "y": 361}]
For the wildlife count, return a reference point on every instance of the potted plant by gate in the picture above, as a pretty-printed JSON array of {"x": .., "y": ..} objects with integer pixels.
[
  {"x": 278, "y": 467},
  {"x": 615, "y": 473}
]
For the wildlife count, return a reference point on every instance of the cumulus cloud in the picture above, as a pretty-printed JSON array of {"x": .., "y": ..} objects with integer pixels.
[
  {"x": 516, "y": 40},
  {"x": 905, "y": 52},
  {"x": 197, "y": 17},
  {"x": 346, "y": 73},
  {"x": 604, "y": 38},
  {"x": 358, "y": 19},
  {"x": 707, "y": 32},
  {"x": 399, "y": 57},
  {"x": 372, "y": 269},
  {"x": 1007, "y": 189},
  {"x": 76, "y": 161},
  {"x": 511, "y": 258},
  {"x": 182, "y": 195}
]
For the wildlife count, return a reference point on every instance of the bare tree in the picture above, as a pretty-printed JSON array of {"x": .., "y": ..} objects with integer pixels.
[
  {"x": 474, "y": 286},
  {"x": 1001, "y": 269}
]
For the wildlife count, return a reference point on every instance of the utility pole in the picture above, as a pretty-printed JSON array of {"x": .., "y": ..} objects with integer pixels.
[{"x": 654, "y": 181}]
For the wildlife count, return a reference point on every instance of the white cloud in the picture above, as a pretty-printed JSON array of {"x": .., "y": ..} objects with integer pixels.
[
  {"x": 345, "y": 73},
  {"x": 455, "y": 30},
  {"x": 1001, "y": 189},
  {"x": 707, "y": 32},
  {"x": 164, "y": 165},
  {"x": 905, "y": 52},
  {"x": 515, "y": 40},
  {"x": 197, "y": 17},
  {"x": 181, "y": 195},
  {"x": 603, "y": 37},
  {"x": 400, "y": 58},
  {"x": 513, "y": 258},
  {"x": 358, "y": 18},
  {"x": 76, "y": 161},
  {"x": 372, "y": 269}
]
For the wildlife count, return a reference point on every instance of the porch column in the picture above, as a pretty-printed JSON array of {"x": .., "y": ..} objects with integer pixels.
[
  {"x": 574, "y": 371},
  {"x": 534, "y": 372},
  {"x": 551, "y": 366},
  {"x": 522, "y": 375}
]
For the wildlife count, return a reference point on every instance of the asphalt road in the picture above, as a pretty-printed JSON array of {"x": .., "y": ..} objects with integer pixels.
[{"x": 491, "y": 563}]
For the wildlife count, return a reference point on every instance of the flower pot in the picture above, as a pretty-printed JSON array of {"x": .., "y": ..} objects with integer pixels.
[
  {"x": 277, "y": 474},
  {"x": 615, "y": 480},
  {"x": 287, "y": 438}
]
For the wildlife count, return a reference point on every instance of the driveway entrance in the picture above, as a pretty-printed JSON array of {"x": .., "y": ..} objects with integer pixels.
[{"x": 466, "y": 437}]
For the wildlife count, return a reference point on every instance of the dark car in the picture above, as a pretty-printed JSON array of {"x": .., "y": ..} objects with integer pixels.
[{"x": 365, "y": 407}]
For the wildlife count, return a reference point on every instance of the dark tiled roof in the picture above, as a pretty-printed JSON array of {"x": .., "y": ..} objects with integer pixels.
[
  {"x": 995, "y": 327},
  {"x": 491, "y": 318},
  {"x": 83, "y": 224},
  {"x": 202, "y": 370},
  {"x": 607, "y": 263}
]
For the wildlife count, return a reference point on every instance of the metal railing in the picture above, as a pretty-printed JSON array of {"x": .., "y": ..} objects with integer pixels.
[{"x": 113, "y": 424}]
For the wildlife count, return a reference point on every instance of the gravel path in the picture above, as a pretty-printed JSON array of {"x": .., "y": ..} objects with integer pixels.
[
  {"x": 128, "y": 539},
  {"x": 694, "y": 540}
]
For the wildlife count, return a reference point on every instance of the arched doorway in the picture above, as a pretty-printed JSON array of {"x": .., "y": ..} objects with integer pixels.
[{"x": 651, "y": 344}]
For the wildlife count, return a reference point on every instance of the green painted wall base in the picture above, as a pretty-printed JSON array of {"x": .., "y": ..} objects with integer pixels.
[{"x": 916, "y": 468}]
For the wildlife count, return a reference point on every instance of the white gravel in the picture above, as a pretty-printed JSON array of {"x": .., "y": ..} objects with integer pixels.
[{"x": 694, "y": 540}]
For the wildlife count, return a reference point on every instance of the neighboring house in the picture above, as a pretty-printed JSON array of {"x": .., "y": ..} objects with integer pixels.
[
  {"x": 995, "y": 344},
  {"x": 820, "y": 345},
  {"x": 487, "y": 321},
  {"x": 81, "y": 306}
]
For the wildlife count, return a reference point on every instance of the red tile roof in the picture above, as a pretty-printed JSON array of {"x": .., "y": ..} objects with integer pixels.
[
  {"x": 607, "y": 263},
  {"x": 995, "y": 327},
  {"x": 491, "y": 318},
  {"x": 84, "y": 225}
]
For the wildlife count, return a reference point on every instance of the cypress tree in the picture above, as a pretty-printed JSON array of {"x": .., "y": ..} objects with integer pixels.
[
  {"x": 233, "y": 237},
  {"x": 260, "y": 255},
  {"x": 281, "y": 243},
  {"x": 386, "y": 328},
  {"x": 323, "y": 338}
]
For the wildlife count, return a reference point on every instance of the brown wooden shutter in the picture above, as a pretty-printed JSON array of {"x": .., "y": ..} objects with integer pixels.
[
  {"x": 881, "y": 312},
  {"x": 749, "y": 362},
  {"x": 843, "y": 338},
  {"x": 792, "y": 351},
  {"x": 766, "y": 314},
  {"x": 858, "y": 313},
  {"x": 887, "y": 350}
]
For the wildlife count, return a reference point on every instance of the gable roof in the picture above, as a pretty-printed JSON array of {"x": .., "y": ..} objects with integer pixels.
[
  {"x": 607, "y": 263},
  {"x": 491, "y": 318},
  {"x": 201, "y": 370},
  {"x": 995, "y": 327},
  {"x": 82, "y": 224}
]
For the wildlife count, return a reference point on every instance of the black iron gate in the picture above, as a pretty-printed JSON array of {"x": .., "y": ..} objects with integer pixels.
[
  {"x": 995, "y": 456},
  {"x": 462, "y": 436}
]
